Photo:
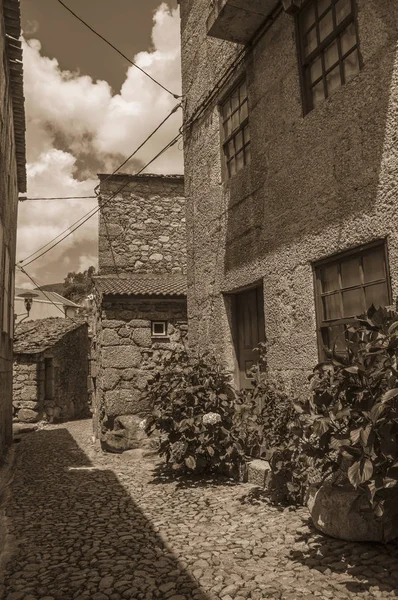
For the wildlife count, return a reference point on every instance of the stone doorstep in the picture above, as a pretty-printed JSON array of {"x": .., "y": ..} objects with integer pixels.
[{"x": 256, "y": 472}]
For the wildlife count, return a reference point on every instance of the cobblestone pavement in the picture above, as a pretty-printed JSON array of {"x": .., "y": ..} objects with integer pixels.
[{"x": 89, "y": 525}]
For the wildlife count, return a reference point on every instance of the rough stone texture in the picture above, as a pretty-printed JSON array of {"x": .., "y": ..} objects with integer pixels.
[
  {"x": 316, "y": 185},
  {"x": 257, "y": 471},
  {"x": 344, "y": 513},
  {"x": 145, "y": 223},
  {"x": 128, "y": 355},
  {"x": 8, "y": 227},
  {"x": 106, "y": 527},
  {"x": 67, "y": 345}
]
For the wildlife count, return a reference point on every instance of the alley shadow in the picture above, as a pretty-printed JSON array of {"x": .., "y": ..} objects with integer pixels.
[
  {"x": 370, "y": 564},
  {"x": 80, "y": 534},
  {"x": 163, "y": 474}
]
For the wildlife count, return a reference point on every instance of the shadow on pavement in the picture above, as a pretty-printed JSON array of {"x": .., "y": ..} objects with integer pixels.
[
  {"x": 374, "y": 566},
  {"x": 163, "y": 474},
  {"x": 80, "y": 534}
]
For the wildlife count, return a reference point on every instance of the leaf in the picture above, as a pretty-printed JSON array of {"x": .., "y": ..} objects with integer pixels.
[
  {"x": 191, "y": 463},
  {"x": 393, "y": 327},
  {"x": 210, "y": 450},
  {"x": 389, "y": 395},
  {"x": 376, "y": 411},
  {"x": 321, "y": 426},
  {"x": 360, "y": 471},
  {"x": 355, "y": 435}
]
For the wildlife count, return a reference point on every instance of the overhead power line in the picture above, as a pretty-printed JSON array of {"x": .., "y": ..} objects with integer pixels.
[
  {"x": 91, "y": 213},
  {"x": 117, "y": 50},
  {"x": 23, "y": 199}
]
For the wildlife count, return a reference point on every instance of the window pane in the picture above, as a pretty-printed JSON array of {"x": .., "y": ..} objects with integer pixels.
[
  {"x": 230, "y": 149},
  {"x": 377, "y": 295},
  {"x": 351, "y": 65},
  {"x": 334, "y": 337},
  {"x": 226, "y": 110},
  {"x": 238, "y": 141},
  {"x": 331, "y": 306},
  {"x": 310, "y": 42},
  {"x": 348, "y": 39},
  {"x": 235, "y": 100},
  {"x": 322, "y": 6},
  {"x": 353, "y": 303},
  {"x": 326, "y": 26},
  {"x": 318, "y": 94},
  {"x": 350, "y": 273},
  {"x": 330, "y": 278},
  {"x": 331, "y": 55},
  {"x": 333, "y": 80},
  {"x": 239, "y": 161},
  {"x": 235, "y": 120},
  {"x": 243, "y": 91},
  {"x": 227, "y": 128},
  {"x": 316, "y": 69},
  {"x": 243, "y": 112},
  {"x": 343, "y": 9},
  {"x": 308, "y": 16},
  {"x": 373, "y": 266}
]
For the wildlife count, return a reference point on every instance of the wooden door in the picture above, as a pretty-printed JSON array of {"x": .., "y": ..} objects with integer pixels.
[{"x": 250, "y": 331}]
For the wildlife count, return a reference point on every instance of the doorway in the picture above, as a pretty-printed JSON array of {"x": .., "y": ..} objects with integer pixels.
[{"x": 249, "y": 331}]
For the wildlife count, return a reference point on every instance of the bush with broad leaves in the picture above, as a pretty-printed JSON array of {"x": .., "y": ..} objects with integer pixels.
[
  {"x": 350, "y": 424},
  {"x": 193, "y": 408}
]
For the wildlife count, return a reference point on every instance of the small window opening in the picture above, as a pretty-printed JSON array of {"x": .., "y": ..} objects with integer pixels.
[{"x": 159, "y": 328}]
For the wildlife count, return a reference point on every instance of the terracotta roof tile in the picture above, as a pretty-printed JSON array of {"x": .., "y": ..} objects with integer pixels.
[{"x": 142, "y": 285}]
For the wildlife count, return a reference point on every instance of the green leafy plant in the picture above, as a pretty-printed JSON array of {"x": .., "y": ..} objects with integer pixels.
[
  {"x": 193, "y": 413},
  {"x": 350, "y": 424}
]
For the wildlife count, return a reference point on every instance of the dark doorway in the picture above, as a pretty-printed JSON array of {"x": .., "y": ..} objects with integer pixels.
[
  {"x": 250, "y": 331},
  {"x": 49, "y": 379}
]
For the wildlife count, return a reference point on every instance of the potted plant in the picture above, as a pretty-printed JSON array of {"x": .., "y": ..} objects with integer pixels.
[{"x": 350, "y": 429}]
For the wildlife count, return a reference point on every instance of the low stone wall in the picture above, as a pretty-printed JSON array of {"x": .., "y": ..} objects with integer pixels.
[
  {"x": 128, "y": 354},
  {"x": 28, "y": 388}
]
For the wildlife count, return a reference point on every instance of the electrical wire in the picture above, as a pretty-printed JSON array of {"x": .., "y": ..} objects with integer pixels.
[
  {"x": 23, "y": 199},
  {"x": 118, "y": 51},
  {"x": 91, "y": 213},
  {"x": 44, "y": 293}
]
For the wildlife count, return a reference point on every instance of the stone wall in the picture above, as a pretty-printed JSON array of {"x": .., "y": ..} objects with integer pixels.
[
  {"x": 145, "y": 223},
  {"x": 316, "y": 185},
  {"x": 8, "y": 224},
  {"x": 128, "y": 354},
  {"x": 69, "y": 360}
]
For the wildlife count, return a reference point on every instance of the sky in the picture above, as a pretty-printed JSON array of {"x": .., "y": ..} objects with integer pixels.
[{"x": 87, "y": 109}]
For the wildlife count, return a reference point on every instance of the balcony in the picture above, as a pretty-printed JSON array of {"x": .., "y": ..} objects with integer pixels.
[{"x": 237, "y": 20}]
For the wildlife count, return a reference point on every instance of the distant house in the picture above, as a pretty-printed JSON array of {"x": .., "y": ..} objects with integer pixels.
[
  {"x": 50, "y": 370},
  {"x": 12, "y": 181},
  {"x": 140, "y": 291},
  {"x": 45, "y": 304}
]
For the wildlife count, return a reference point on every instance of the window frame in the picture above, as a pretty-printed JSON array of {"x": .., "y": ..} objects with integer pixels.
[
  {"x": 338, "y": 258},
  {"x": 233, "y": 135},
  {"x": 157, "y": 322},
  {"x": 304, "y": 62}
]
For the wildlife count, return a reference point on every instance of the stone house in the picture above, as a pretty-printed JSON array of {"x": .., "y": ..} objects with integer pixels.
[
  {"x": 45, "y": 304},
  {"x": 51, "y": 367},
  {"x": 140, "y": 290},
  {"x": 12, "y": 181},
  {"x": 291, "y": 175}
]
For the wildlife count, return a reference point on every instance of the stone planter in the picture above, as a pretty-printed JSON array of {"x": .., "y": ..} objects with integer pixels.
[{"x": 344, "y": 513}]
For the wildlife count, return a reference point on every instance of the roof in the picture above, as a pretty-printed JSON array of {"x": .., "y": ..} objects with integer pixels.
[
  {"x": 142, "y": 285},
  {"x": 12, "y": 24},
  {"x": 33, "y": 337},
  {"x": 47, "y": 297}
]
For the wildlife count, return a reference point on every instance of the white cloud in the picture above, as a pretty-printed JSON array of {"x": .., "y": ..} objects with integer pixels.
[{"x": 76, "y": 127}]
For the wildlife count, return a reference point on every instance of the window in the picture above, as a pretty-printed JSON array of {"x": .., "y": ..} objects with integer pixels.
[
  {"x": 346, "y": 287},
  {"x": 328, "y": 47},
  {"x": 159, "y": 328},
  {"x": 235, "y": 120}
]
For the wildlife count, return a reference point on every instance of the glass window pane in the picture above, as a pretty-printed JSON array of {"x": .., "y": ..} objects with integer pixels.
[
  {"x": 335, "y": 337},
  {"x": 226, "y": 110},
  {"x": 373, "y": 266},
  {"x": 377, "y": 295},
  {"x": 247, "y": 153},
  {"x": 227, "y": 128},
  {"x": 243, "y": 112},
  {"x": 353, "y": 303},
  {"x": 333, "y": 80},
  {"x": 348, "y": 39},
  {"x": 343, "y": 9},
  {"x": 330, "y": 278},
  {"x": 235, "y": 120},
  {"x": 331, "y": 55},
  {"x": 322, "y": 6},
  {"x": 239, "y": 161},
  {"x": 350, "y": 273},
  {"x": 243, "y": 91},
  {"x": 235, "y": 100},
  {"x": 331, "y": 307},
  {"x": 231, "y": 167},
  {"x": 318, "y": 94},
  {"x": 316, "y": 69},
  {"x": 307, "y": 16},
  {"x": 230, "y": 149},
  {"x": 238, "y": 141},
  {"x": 351, "y": 65},
  {"x": 310, "y": 42},
  {"x": 326, "y": 25}
]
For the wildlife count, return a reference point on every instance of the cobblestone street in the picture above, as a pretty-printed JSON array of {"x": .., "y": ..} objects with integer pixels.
[{"x": 87, "y": 525}]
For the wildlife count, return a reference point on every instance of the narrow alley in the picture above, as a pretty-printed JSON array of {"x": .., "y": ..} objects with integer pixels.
[{"x": 83, "y": 524}]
